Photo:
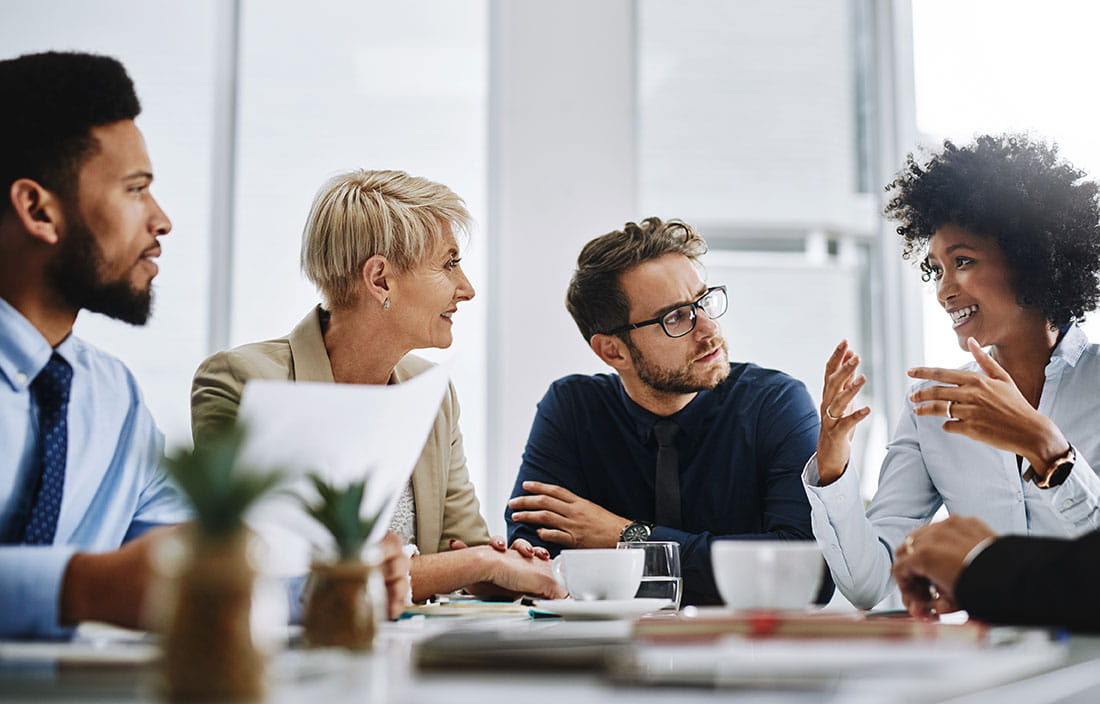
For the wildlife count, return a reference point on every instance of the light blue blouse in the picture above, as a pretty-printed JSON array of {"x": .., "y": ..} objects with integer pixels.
[{"x": 926, "y": 467}]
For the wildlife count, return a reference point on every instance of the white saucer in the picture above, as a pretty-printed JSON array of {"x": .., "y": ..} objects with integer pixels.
[{"x": 607, "y": 609}]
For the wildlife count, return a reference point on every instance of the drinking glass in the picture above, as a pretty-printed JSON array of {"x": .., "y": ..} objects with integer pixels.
[{"x": 661, "y": 578}]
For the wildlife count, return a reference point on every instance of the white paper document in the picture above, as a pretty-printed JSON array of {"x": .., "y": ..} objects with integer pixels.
[{"x": 342, "y": 432}]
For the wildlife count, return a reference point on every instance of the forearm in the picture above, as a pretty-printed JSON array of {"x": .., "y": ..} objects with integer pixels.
[
  {"x": 89, "y": 592},
  {"x": 445, "y": 572},
  {"x": 858, "y": 559},
  {"x": 110, "y": 586},
  {"x": 1044, "y": 443}
]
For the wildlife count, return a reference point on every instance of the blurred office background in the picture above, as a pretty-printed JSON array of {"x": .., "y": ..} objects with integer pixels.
[{"x": 772, "y": 126}]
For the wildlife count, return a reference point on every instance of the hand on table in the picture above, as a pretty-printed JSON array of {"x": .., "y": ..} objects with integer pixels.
[
  {"x": 930, "y": 560},
  {"x": 838, "y": 419},
  {"x": 509, "y": 577},
  {"x": 988, "y": 407},
  {"x": 525, "y": 575},
  {"x": 565, "y": 518},
  {"x": 509, "y": 574},
  {"x": 520, "y": 545},
  {"x": 395, "y": 571}
]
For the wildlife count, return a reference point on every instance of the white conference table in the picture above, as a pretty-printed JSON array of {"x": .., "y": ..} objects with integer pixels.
[{"x": 56, "y": 673}]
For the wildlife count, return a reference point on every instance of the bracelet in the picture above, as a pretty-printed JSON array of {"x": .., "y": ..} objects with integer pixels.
[{"x": 977, "y": 550}]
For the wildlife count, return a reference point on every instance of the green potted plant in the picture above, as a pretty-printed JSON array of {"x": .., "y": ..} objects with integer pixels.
[
  {"x": 208, "y": 649},
  {"x": 337, "y": 611}
]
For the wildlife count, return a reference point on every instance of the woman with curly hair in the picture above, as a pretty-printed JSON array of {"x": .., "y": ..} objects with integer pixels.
[{"x": 1010, "y": 235}]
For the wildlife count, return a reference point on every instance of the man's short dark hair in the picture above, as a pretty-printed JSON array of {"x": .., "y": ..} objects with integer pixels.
[
  {"x": 595, "y": 297},
  {"x": 1039, "y": 209},
  {"x": 51, "y": 101}
]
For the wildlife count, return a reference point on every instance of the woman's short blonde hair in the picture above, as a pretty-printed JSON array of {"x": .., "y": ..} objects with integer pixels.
[{"x": 358, "y": 214}]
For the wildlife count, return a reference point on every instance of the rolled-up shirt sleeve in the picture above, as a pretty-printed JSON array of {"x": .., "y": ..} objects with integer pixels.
[
  {"x": 30, "y": 590},
  {"x": 1077, "y": 499}
]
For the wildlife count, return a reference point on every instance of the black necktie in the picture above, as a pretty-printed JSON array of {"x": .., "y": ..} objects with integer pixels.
[
  {"x": 51, "y": 394},
  {"x": 668, "y": 474}
]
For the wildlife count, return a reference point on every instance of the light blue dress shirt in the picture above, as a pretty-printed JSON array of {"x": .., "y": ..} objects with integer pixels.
[
  {"x": 114, "y": 490},
  {"x": 926, "y": 467}
]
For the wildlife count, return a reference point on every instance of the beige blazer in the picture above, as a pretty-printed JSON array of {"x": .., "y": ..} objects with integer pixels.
[{"x": 446, "y": 505}]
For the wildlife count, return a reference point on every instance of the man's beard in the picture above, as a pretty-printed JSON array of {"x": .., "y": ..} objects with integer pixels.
[
  {"x": 75, "y": 274},
  {"x": 677, "y": 381}
]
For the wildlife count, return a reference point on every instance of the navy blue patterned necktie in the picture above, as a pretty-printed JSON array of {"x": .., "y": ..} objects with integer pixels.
[{"x": 51, "y": 394}]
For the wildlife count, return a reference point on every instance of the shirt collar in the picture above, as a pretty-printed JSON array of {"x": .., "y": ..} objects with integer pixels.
[
  {"x": 688, "y": 418},
  {"x": 23, "y": 350},
  {"x": 1070, "y": 348}
]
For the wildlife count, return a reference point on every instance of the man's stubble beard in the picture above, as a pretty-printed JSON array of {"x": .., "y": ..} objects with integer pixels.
[
  {"x": 678, "y": 381},
  {"x": 76, "y": 275}
]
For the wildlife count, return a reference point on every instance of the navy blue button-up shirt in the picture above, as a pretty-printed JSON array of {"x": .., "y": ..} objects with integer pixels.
[{"x": 741, "y": 446}]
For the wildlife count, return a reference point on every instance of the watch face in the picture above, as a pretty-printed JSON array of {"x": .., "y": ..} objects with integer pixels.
[
  {"x": 635, "y": 533},
  {"x": 1058, "y": 476}
]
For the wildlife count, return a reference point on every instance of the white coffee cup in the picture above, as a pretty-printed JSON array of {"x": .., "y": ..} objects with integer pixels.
[
  {"x": 599, "y": 573},
  {"x": 766, "y": 574}
]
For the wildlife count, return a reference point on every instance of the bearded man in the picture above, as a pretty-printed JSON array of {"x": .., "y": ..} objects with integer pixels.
[
  {"x": 80, "y": 478},
  {"x": 678, "y": 444}
]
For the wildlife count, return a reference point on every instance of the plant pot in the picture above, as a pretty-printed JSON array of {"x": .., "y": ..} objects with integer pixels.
[
  {"x": 337, "y": 610},
  {"x": 208, "y": 649}
]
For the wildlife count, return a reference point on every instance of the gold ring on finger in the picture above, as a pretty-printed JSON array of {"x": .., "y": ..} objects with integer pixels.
[
  {"x": 908, "y": 545},
  {"x": 830, "y": 415},
  {"x": 949, "y": 416}
]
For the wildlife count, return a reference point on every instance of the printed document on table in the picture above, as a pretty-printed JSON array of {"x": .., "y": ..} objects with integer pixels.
[{"x": 343, "y": 432}]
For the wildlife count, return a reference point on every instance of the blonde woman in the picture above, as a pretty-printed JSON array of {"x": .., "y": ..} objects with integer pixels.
[{"x": 381, "y": 248}]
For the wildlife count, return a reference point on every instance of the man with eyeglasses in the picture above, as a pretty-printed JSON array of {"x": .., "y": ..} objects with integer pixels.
[{"x": 678, "y": 444}]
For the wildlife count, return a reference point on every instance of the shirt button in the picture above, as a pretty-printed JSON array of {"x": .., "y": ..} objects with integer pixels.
[
  {"x": 1067, "y": 503},
  {"x": 840, "y": 497},
  {"x": 834, "y": 547},
  {"x": 20, "y": 378}
]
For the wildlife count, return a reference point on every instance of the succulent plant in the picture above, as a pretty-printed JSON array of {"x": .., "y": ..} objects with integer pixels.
[
  {"x": 218, "y": 490},
  {"x": 338, "y": 509}
]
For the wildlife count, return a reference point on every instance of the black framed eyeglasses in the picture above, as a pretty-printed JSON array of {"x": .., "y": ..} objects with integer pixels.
[{"x": 681, "y": 320}]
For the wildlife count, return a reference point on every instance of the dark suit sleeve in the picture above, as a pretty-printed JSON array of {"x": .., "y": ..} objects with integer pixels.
[
  {"x": 787, "y": 427},
  {"x": 550, "y": 457},
  {"x": 787, "y": 438},
  {"x": 1035, "y": 581}
]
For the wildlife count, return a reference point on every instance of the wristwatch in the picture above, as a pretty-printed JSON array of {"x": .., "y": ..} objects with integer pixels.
[
  {"x": 636, "y": 532},
  {"x": 1058, "y": 471}
]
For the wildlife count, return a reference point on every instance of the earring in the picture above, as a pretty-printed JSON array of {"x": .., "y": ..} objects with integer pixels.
[{"x": 386, "y": 304}]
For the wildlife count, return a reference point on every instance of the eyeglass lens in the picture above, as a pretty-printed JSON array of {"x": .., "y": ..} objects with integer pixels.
[{"x": 680, "y": 321}]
